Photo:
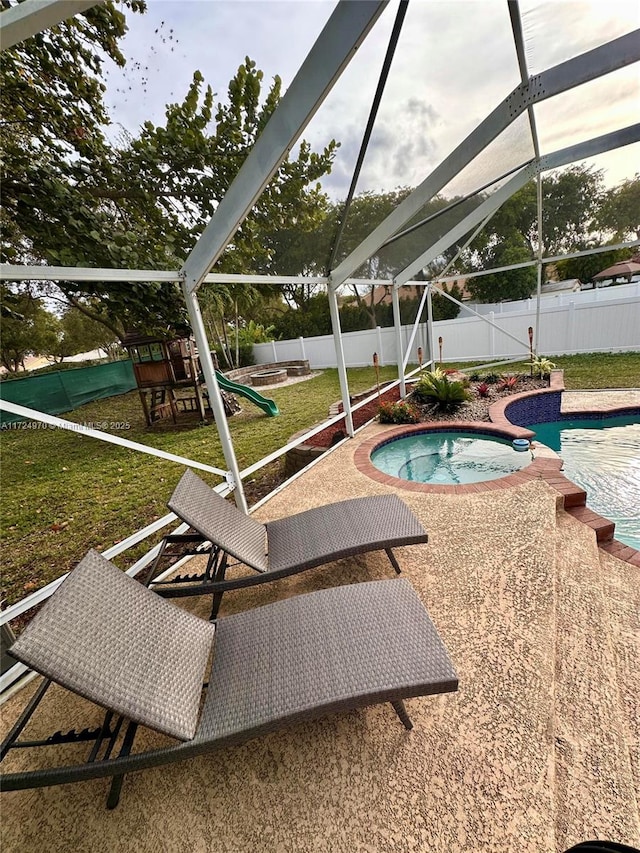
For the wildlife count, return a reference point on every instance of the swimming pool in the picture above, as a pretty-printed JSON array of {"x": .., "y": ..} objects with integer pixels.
[
  {"x": 449, "y": 458},
  {"x": 602, "y": 457}
]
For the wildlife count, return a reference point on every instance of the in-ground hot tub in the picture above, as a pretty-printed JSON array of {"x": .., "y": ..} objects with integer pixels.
[
  {"x": 449, "y": 458},
  {"x": 268, "y": 377}
]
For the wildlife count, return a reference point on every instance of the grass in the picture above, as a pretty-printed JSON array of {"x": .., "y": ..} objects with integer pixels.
[
  {"x": 590, "y": 370},
  {"x": 63, "y": 493}
]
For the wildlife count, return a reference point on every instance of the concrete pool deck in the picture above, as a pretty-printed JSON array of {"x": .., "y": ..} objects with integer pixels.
[
  {"x": 599, "y": 401},
  {"x": 539, "y": 748}
]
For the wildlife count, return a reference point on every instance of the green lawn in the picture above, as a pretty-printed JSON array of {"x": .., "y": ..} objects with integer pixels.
[
  {"x": 592, "y": 370},
  {"x": 63, "y": 493}
]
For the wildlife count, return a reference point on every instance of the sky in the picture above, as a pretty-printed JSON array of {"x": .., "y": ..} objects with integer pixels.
[{"x": 454, "y": 63}]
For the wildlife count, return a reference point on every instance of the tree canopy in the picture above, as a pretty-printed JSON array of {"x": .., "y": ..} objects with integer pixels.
[
  {"x": 620, "y": 210},
  {"x": 26, "y": 328},
  {"x": 577, "y": 214},
  {"x": 71, "y": 198}
]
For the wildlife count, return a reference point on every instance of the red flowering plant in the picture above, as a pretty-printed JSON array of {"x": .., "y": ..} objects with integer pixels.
[
  {"x": 398, "y": 413},
  {"x": 507, "y": 383}
]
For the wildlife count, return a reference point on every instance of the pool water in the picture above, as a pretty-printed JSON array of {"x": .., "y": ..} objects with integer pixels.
[
  {"x": 449, "y": 458},
  {"x": 603, "y": 458}
]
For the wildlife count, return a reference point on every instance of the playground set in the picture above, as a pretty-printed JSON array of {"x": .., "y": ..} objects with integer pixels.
[{"x": 165, "y": 369}]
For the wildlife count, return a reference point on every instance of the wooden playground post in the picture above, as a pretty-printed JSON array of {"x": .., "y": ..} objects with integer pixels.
[
  {"x": 420, "y": 357},
  {"x": 440, "y": 347}
]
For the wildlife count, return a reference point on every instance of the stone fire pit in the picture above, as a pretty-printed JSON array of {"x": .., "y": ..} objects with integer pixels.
[{"x": 268, "y": 377}]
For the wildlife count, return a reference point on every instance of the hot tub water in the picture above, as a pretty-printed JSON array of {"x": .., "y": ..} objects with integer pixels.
[{"x": 449, "y": 458}]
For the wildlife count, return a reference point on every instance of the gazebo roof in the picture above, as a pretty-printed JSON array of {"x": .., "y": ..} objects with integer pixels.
[{"x": 623, "y": 268}]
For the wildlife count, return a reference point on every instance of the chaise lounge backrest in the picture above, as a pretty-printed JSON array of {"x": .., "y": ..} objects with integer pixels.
[
  {"x": 150, "y": 669},
  {"x": 236, "y": 533}
]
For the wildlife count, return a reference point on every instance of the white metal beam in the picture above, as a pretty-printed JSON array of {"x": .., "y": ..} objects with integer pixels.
[
  {"x": 397, "y": 328},
  {"x": 335, "y": 47},
  {"x": 61, "y": 423},
  {"x": 588, "y": 66},
  {"x": 20, "y": 272},
  {"x": 24, "y": 20},
  {"x": 518, "y": 37},
  {"x": 342, "y": 369},
  {"x": 608, "y": 142},
  {"x": 414, "y": 330},
  {"x": 215, "y": 398}
]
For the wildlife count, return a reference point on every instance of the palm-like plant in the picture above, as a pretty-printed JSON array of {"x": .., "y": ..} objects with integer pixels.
[
  {"x": 541, "y": 366},
  {"x": 434, "y": 387}
]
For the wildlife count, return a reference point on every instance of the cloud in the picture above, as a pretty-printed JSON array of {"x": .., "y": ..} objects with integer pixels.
[{"x": 455, "y": 62}]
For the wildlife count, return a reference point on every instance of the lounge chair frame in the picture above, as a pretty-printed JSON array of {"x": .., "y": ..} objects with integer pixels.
[
  {"x": 359, "y": 525},
  {"x": 336, "y": 649}
]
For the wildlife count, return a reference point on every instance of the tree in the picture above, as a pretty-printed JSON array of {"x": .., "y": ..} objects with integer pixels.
[
  {"x": 620, "y": 210},
  {"x": 57, "y": 161},
  {"x": 570, "y": 202},
  {"x": 78, "y": 201},
  {"x": 29, "y": 330},
  {"x": 443, "y": 308},
  {"x": 586, "y": 266},
  {"x": 226, "y": 309},
  {"x": 434, "y": 220},
  {"x": 315, "y": 319},
  {"x": 507, "y": 285},
  {"x": 189, "y": 163},
  {"x": 78, "y": 334}
]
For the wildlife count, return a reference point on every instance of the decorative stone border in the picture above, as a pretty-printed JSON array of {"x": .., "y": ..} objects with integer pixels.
[
  {"x": 298, "y": 367},
  {"x": 268, "y": 377}
]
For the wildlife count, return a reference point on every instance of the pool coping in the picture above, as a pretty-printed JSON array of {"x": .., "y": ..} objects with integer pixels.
[
  {"x": 545, "y": 467},
  {"x": 570, "y": 497}
]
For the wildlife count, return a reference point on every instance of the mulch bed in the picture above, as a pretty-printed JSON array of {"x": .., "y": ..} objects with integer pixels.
[{"x": 477, "y": 409}]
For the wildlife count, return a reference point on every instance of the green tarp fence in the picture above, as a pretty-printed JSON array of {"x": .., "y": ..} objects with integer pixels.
[{"x": 65, "y": 390}]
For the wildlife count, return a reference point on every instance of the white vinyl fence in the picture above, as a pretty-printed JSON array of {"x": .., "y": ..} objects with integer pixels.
[
  {"x": 610, "y": 325},
  {"x": 580, "y": 297}
]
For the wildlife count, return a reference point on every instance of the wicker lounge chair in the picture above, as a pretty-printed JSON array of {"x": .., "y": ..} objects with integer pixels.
[
  {"x": 278, "y": 548},
  {"x": 107, "y": 638}
]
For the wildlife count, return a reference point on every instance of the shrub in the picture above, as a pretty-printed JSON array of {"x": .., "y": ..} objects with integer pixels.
[
  {"x": 398, "y": 413},
  {"x": 541, "y": 366},
  {"x": 475, "y": 377},
  {"x": 433, "y": 388},
  {"x": 437, "y": 372},
  {"x": 483, "y": 390},
  {"x": 491, "y": 378},
  {"x": 507, "y": 383}
]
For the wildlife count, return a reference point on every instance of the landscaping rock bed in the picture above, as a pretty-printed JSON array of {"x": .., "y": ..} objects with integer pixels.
[{"x": 477, "y": 409}]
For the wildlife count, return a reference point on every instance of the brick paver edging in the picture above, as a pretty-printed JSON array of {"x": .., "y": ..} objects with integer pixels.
[{"x": 544, "y": 467}]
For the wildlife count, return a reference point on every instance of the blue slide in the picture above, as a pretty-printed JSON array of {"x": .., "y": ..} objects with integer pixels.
[{"x": 251, "y": 394}]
